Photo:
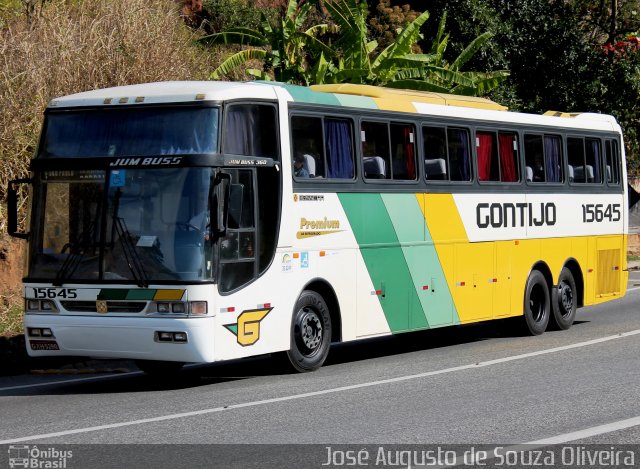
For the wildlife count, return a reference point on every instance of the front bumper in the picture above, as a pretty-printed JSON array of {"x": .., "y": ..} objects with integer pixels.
[{"x": 122, "y": 337}]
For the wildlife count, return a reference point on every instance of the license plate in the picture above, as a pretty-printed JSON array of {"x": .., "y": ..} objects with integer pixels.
[{"x": 44, "y": 345}]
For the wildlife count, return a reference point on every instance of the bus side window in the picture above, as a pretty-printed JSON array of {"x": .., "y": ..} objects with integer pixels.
[
  {"x": 585, "y": 159},
  {"x": 435, "y": 153},
  {"x": 508, "y": 156},
  {"x": 446, "y": 153},
  {"x": 613, "y": 162},
  {"x": 375, "y": 150},
  {"x": 339, "y": 148},
  {"x": 251, "y": 130},
  {"x": 487, "y": 156},
  {"x": 459, "y": 154},
  {"x": 403, "y": 156},
  {"x": 534, "y": 158},
  {"x": 307, "y": 142},
  {"x": 594, "y": 160}
]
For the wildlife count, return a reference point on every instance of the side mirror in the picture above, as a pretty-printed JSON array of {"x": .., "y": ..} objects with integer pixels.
[{"x": 12, "y": 208}]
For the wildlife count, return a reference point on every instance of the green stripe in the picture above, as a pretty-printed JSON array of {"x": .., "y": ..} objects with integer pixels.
[
  {"x": 436, "y": 302},
  {"x": 306, "y": 95},
  {"x": 113, "y": 294},
  {"x": 384, "y": 259},
  {"x": 142, "y": 294},
  {"x": 401, "y": 259},
  {"x": 356, "y": 101}
]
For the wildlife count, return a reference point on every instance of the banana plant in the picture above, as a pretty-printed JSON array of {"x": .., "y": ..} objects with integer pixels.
[
  {"x": 397, "y": 66},
  {"x": 285, "y": 48}
]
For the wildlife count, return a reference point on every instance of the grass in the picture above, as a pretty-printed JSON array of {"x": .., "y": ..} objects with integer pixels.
[{"x": 11, "y": 314}]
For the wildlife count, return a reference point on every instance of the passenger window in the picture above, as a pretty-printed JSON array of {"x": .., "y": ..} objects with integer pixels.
[
  {"x": 307, "y": 146},
  {"x": 446, "y": 154},
  {"x": 375, "y": 150},
  {"x": 322, "y": 147},
  {"x": 403, "y": 153},
  {"x": 543, "y": 158},
  {"x": 613, "y": 162},
  {"x": 497, "y": 156},
  {"x": 585, "y": 160},
  {"x": 388, "y": 151}
]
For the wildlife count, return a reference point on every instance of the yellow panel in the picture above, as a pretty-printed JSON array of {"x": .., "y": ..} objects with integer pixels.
[
  {"x": 502, "y": 290},
  {"x": 394, "y": 105},
  {"x": 473, "y": 287},
  {"x": 443, "y": 219},
  {"x": 174, "y": 295},
  {"x": 392, "y": 95}
]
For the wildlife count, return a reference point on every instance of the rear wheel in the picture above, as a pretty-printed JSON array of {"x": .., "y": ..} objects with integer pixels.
[
  {"x": 565, "y": 302},
  {"x": 310, "y": 332},
  {"x": 537, "y": 304},
  {"x": 159, "y": 368}
]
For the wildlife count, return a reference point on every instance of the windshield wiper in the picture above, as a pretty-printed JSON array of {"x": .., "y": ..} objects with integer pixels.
[
  {"x": 76, "y": 254},
  {"x": 130, "y": 253}
]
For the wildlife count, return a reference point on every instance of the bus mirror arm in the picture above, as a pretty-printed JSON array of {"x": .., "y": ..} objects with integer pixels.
[{"x": 12, "y": 207}]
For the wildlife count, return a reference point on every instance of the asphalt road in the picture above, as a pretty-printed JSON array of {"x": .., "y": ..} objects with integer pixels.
[{"x": 469, "y": 385}]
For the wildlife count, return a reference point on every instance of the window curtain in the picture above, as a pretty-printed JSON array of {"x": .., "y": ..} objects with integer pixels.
[
  {"x": 460, "y": 162},
  {"x": 485, "y": 146},
  {"x": 238, "y": 136},
  {"x": 507, "y": 158},
  {"x": 339, "y": 149},
  {"x": 552, "y": 158},
  {"x": 409, "y": 153}
]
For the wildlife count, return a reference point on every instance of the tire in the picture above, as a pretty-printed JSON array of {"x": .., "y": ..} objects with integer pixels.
[
  {"x": 537, "y": 304},
  {"x": 310, "y": 332},
  {"x": 159, "y": 368},
  {"x": 565, "y": 301}
]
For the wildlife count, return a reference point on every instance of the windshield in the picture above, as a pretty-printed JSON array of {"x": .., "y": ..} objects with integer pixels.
[
  {"x": 130, "y": 131},
  {"x": 135, "y": 225}
]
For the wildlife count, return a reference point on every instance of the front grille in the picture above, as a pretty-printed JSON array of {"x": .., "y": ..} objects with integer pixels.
[{"x": 112, "y": 306}]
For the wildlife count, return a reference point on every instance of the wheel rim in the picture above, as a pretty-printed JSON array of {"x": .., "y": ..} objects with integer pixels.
[
  {"x": 308, "y": 331},
  {"x": 565, "y": 298},
  {"x": 537, "y": 303}
]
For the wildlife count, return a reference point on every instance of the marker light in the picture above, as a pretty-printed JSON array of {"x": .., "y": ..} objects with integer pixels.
[{"x": 198, "y": 308}]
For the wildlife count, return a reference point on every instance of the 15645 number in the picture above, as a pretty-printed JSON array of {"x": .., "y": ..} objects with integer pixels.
[
  {"x": 53, "y": 293},
  {"x": 596, "y": 213}
]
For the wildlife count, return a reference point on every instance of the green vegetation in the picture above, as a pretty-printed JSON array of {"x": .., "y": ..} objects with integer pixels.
[{"x": 294, "y": 52}]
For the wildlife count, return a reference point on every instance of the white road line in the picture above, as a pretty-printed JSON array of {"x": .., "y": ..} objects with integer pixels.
[
  {"x": 553, "y": 440},
  {"x": 588, "y": 432},
  {"x": 323, "y": 392}
]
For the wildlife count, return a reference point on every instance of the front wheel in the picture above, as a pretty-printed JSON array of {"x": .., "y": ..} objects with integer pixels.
[
  {"x": 310, "y": 332},
  {"x": 565, "y": 302},
  {"x": 537, "y": 305}
]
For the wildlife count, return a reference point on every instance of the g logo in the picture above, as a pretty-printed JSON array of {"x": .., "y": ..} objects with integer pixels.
[{"x": 247, "y": 329}]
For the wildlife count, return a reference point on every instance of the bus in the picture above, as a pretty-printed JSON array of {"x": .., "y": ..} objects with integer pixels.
[{"x": 181, "y": 222}]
